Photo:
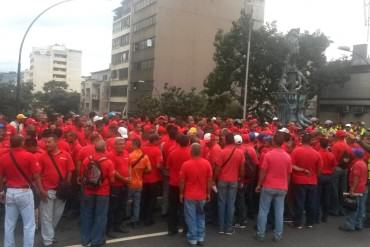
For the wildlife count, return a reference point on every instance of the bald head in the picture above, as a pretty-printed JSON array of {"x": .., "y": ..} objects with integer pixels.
[
  {"x": 100, "y": 146},
  {"x": 196, "y": 150}
]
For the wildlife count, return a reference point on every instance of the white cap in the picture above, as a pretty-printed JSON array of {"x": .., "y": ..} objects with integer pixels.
[
  {"x": 348, "y": 125},
  {"x": 314, "y": 119},
  {"x": 214, "y": 119},
  {"x": 284, "y": 130},
  {"x": 328, "y": 122},
  {"x": 238, "y": 139},
  {"x": 207, "y": 137},
  {"x": 275, "y": 119},
  {"x": 97, "y": 118},
  {"x": 123, "y": 132}
]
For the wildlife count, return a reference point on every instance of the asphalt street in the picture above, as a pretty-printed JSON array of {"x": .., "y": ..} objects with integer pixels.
[{"x": 323, "y": 235}]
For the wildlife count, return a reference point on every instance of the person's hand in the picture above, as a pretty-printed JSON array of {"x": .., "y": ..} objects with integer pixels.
[
  {"x": 128, "y": 180},
  {"x": 241, "y": 185},
  {"x": 208, "y": 197},
  {"x": 2, "y": 197},
  {"x": 181, "y": 198},
  {"x": 43, "y": 195},
  {"x": 351, "y": 193},
  {"x": 307, "y": 172},
  {"x": 258, "y": 189}
]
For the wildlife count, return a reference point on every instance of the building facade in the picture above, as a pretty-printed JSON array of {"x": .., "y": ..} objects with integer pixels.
[
  {"x": 95, "y": 92},
  {"x": 55, "y": 63},
  {"x": 166, "y": 41},
  {"x": 8, "y": 77},
  {"x": 349, "y": 102}
]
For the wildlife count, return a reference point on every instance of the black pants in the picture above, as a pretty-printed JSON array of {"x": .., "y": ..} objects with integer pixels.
[
  {"x": 323, "y": 197},
  {"x": 305, "y": 200},
  {"x": 175, "y": 210},
  {"x": 148, "y": 201},
  {"x": 211, "y": 209},
  {"x": 117, "y": 206}
]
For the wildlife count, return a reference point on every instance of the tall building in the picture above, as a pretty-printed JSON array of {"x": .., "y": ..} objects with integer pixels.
[
  {"x": 166, "y": 41},
  {"x": 95, "y": 91},
  {"x": 8, "y": 77},
  {"x": 55, "y": 63}
]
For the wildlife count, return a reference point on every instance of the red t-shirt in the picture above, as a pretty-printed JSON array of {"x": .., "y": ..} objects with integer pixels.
[
  {"x": 359, "y": 169},
  {"x": 85, "y": 152},
  {"x": 278, "y": 165},
  {"x": 120, "y": 162},
  {"x": 167, "y": 148},
  {"x": 230, "y": 171},
  {"x": 49, "y": 175},
  {"x": 339, "y": 148},
  {"x": 308, "y": 158},
  {"x": 196, "y": 173},
  {"x": 108, "y": 172},
  {"x": 63, "y": 145},
  {"x": 8, "y": 170},
  {"x": 175, "y": 160},
  {"x": 75, "y": 149},
  {"x": 213, "y": 153},
  {"x": 110, "y": 143},
  {"x": 154, "y": 154},
  {"x": 329, "y": 161}
]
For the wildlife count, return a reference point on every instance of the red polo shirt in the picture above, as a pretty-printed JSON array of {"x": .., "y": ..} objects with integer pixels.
[
  {"x": 213, "y": 153},
  {"x": 196, "y": 173},
  {"x": 230, "y": 171},
  {"x": 339, "y": 148},
  {"x": 85, "y": 152},
  {"x": 120, "y": 162},
  {"x": 49, "y": 175},
  {"x": 168, "y": 147},
  {"x": 359, "y": 169},
  {"x": 278, "y": 165},
  {"x": 8, "y": 170},
  {"x": 175, "y": 160},
  {"x": 108, "y": 172},
  {"x": 308, "y": 158},
  {"x": 63, "y": 145},
  {"x": 154, "y": 154},
  {"x": 328, "y": 160}
]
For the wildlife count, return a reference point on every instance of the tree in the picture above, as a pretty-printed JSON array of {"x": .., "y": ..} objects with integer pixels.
[
  {"x": 8, "y": 99},
  {"x": 56, "y": 98}
]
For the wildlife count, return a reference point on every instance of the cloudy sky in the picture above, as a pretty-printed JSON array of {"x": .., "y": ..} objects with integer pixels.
[{"x": 87, "y": 25}]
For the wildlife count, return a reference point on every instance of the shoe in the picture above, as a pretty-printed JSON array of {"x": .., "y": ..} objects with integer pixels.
[
  {"x": 134, "y": 224},
  {"x": 276, "y": 239},
  {"x": 221, "y": 232},
  {"x": 192, "y": 243},
  {"x": 310, "y": 226},
  {"x": 345, "y": 229},
  {"x": 121, "y": 229},
  {"x": 259, "y": 238},
  {"x": 229, "y": 233},
  {"x": 299, "y": 227},
  {"x": 239, "y": 226},
  {"x": 200, "y": 243}
]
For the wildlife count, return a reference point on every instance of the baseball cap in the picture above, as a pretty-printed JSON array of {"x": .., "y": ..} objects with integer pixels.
[
  {"x": 275, "y": 119},
  {"x": 97, "y": 118},
  {"x": 2, "y": 126},
  {"x": 327, "y": 122},
  {"x": 340, "y": 133},
  {"x": 358, "y": 152},
  {"x": 238, "y": 139},
  {"x": 21, "y": 116},
  {"x": 192, "y": 131},
  {"x": 348, "y": 125},
  {"x": 284, "y": 130},
  {"x": 123, "y": 132},
  {"x": 208, "y": 137}
]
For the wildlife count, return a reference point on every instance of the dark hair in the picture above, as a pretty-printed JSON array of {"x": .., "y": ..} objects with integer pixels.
[
  {"x": 136, "y": 142},
  {"x": 153, "y": 138},
  {"x": 279, "y": 139},
  {"x": 172, "y": 131},
  {"x": 229, "y": 138},
  {"x": 16, "y": 141},
  {"x": 30, "y": 142},
  {"x": 58, "y": 132},
  {"x": 183, "y": 140},
  {"x": 46, "y": 133},
  {"x": 306, "y": 138},
  {"x": 92, "y": 114},
  {"x": 324, "y": 143}
]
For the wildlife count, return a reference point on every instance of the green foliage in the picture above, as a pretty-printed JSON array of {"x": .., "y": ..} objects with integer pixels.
[
  {"x": 56, "y": 98},
  {"x": 8, "y": 98}
]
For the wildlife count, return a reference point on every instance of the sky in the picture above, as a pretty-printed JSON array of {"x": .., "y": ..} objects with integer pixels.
[{"x": 87, "y": 25}]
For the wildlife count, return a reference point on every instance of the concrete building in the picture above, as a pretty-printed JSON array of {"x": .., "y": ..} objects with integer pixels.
[
  {"x": 95, "y": 92},
  {"x": 56, "y": 63},
  {"x": 349, "y": 102},
  {"x": 166, "y": 41},
  {"x": 6, "y": 77}
]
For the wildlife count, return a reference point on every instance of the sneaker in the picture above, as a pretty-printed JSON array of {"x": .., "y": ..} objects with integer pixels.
[
  {"x": 200, "y": 243},
  {"x": 229, "y": 233},
  {"x": 299, "y": 227},
  {"x": 221, "y": 232},
  {"x": 239, "y": 226},
  {"x": 310, "y": 226},
  {"x": 259, "y": 238},
  {"x": 345, "y": 229}
]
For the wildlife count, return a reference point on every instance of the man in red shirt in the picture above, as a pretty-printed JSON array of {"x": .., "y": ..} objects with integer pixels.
[
  {"x": 325, "y": 180},
  {"x": 19, "y": 199},
  {"x": 357, "y": 187},
  {"x": 307, "y": 164},
  {"x": 195, "y": 189},
  {"x": 95, "y": 199},
  {"x": 87, "y": 151},
  {"x": 175, "y": 160},
  {"x": 51, "y": 209},
  {"x": 119, "y": 190},
  {"x": 151, "y": 180},
  {"x": 229, "y": 171},
  {"x": 273, "y": 180}
]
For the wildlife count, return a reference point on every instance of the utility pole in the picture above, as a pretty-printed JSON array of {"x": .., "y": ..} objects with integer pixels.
[{"x": 250, "y": 27}]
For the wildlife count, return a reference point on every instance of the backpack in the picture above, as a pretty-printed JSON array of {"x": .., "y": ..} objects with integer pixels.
[
  {"x": 93, "y": 175},
  {"x": 250, "y": 168}
]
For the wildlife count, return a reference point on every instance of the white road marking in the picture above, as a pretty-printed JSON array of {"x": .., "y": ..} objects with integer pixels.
[{"x": 118, "y": 240}]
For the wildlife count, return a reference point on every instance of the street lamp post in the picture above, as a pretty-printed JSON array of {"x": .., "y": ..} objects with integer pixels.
[{"x": 18, "y": 89}]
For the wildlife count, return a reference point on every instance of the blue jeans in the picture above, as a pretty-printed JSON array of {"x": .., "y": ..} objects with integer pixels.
[
  {"x": 195, "y": 219},
  {"x": 94, "y": 217},
  {"x": 267, "y": 197},
  {"x": 135, "y": 196},
  {"x": 354, "y": 220},
  {"x": 226, "y": 204},
  {"x": 19, "y": 201}
]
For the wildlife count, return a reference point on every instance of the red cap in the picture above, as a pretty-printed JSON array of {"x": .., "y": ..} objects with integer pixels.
[
  {"x": 147, "y": 128},
  {"x": 161, "y": 130},
  {"x": 341, "y": 133}
]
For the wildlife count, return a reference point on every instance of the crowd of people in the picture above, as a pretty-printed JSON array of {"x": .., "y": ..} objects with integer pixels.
[{"x": 110, "y": 171}]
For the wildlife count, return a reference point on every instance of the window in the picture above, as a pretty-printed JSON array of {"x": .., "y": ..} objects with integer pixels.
[
  {"x": 60, "y": 55},
  {"x": 123, "y": 74},
  {"x": 144, "y": 65},
  {"x": 118, "y": 91},
  {"x": 144, "y": 23},
  {"x": 105, "y": 77},
  {"x": 141, "y": 45},
  {"x": 141, "y": 4},
  {"x": 59, "y": 62},
  {"x": 59, "y": 76},
  {"x": 121, "y": 25},
  {"x": 120, "y": 58},
  {"x": 59, "y": 69},
  {"x": 114, "y": 75},
  {"x": 121, "y": 41}
]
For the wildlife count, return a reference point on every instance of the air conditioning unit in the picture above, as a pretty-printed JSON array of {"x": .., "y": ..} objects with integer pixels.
[{"x": 346, "y": 109}]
